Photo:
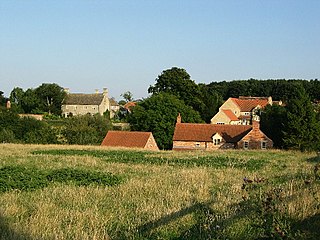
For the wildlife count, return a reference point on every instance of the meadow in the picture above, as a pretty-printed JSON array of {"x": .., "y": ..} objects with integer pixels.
[{"x": 91, "y": 192}]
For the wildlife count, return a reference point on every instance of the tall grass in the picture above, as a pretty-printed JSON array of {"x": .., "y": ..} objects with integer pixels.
[{"x": 163, "y": 195}]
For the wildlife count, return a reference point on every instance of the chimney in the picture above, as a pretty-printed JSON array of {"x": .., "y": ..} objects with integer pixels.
[
  {"x": 105, "y": 91},
  {"x": 179, "y": 118},
  {"x": 255, "y": 125},
  {"x": 66, "y": 90},
  {"x": 8, "y": 104},
  {"x": 97, "y": 91},
  {"x": 270, "y": 100}
]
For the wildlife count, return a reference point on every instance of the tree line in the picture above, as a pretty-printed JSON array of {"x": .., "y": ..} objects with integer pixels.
[{"x": 294, "y": 126}]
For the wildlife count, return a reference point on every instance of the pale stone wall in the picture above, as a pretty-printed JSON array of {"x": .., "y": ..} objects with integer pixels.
[
  {"x": 86, "y": 109},
  {"x": 79, "y": 109},
  {"x": 231, "y": 105},
  {"x": 219, "y": 118}
]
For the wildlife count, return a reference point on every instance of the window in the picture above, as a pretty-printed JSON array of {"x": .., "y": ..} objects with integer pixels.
[
  {"x": 217, "y": 141},
  {"x": 263, "y": 145},
  {"x": 197, "y": 145},
  {"x": 245, "y": 144}
]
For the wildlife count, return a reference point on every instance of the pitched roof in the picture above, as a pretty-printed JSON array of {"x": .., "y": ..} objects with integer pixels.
[
  {"x": 204, "y": 132},
  {"x": 126, "y": 139},
  {"x": 230, "y": 114},
  {"x": 113, "y": 102},
  {"x": 83, "y": 99},
  {"x": 129, "y": 105},
  {"x": 246, "y": 104}
]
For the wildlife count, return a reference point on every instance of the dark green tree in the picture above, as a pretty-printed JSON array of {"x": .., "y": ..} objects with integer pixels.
[
  {"x": 127, "y": 96},
  {"x": 3, "y": 100},
  {"x": 158, "y": 114},
  {"x": 272, "y": 123},
  {"x": 50, "y": 96},
  {"x": 302, "y": 131},
  {"x": 86, "y": 129},
  {"x": 177, "y": 81},
  {"x": 212, "y": 100}
]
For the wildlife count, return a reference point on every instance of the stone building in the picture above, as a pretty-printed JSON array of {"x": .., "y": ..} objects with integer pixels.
[
  {"x": 242, "y": 110},
  {"x": 81, "y": 103}
]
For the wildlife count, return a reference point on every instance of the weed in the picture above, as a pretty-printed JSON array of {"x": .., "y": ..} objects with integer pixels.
[{"x": 22, "y": 178}]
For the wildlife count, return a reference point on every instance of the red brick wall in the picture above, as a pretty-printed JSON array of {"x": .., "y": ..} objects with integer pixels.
[{"x": 255, "y": 138}]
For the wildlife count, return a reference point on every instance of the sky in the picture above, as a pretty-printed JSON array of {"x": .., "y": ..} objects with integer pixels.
[{"x": 124, "y": 45}]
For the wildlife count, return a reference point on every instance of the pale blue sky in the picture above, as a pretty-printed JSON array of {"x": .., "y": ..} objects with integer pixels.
[{"x": 125, "y": 44}]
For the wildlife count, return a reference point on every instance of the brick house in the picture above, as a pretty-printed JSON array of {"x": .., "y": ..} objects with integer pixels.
[
  {"x": 128, "y": 139},
  {"x": 242, "y": 110},
  {"x": 193, "y": 136},
  {"x": 81, "y": 104}
]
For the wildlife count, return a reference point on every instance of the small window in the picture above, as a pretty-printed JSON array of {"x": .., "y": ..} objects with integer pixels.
[
  {"x": 217, "y": 141},
  {"x": 263, "y": 145},
  {"x": 197, "y": 145},
  {"x": 245, "y": 144}
]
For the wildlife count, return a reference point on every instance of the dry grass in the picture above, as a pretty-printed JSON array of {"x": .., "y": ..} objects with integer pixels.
[{"x": 154, "y": 201}]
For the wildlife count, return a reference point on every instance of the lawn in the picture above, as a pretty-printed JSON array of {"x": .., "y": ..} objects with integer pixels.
[{"x": 87, "y": 192}]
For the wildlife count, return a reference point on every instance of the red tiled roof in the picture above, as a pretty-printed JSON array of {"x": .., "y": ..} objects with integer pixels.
[
  {"x": 204, "y": 132},
  {"x": 126, "y": 139},
  {"x": 230, "y": 114},
  {"x": 128, "y": 105},
  {"x": 247, "y": 104}
]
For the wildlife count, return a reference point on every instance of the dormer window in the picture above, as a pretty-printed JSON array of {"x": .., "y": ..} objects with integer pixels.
[{"x": 216, "y": 139}]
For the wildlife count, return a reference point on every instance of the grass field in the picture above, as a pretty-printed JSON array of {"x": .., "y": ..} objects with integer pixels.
[{"x": 86, "y": 192}]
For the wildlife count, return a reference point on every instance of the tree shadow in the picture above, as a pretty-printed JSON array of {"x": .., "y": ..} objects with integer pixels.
[
  {"x": 7, "y": 233},
  {"x": 310, "y": 226},
  {"x": 212, "y": 224},
  {"x": 315, "y": 159}
]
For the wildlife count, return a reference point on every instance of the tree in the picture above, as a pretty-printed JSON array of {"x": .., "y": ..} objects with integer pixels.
[
  {"x": 273, "y": 120},
  {"x": 50, "y": 97},
  {"x": 158, "y": 114},
  {"x": 86, "y": 129},
  {"x": 302, "y": 131},
  {"x": 128, "y": 97},
  {"x": 212, "y": 100},
  {"x": 3, "y": 100},
  {"x": 176, "y": 81}
]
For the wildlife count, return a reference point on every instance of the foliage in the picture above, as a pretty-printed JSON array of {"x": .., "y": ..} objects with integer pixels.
[
  {"x": 86, "y": 129},
  {"x": 211, "y": 100},
  {"x": 3, "y": 100},
  {"x": 158, "y": 114},
  {"x": 128, "y": 97},
  {"x": 138, "y": 157},
  {"x": 22, "y": 178},
  {"x": 25, "y": 129},
  {"x": 302, "y": 130},
  {"x": 278, "y": 89},
  {"x": 45, "y": 98},
  {"x": 177, "y": 82},
  {"x": 50, "y": 97},
  {"x": 273, "y": 120}
]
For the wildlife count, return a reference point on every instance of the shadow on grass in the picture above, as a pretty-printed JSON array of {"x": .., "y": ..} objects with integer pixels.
[
  {"x": 7, "y": 233},
  {"x": 309, "y": 226},
  {"x": 262, "y": 218},
  {"x": 315, "y": 159}
]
